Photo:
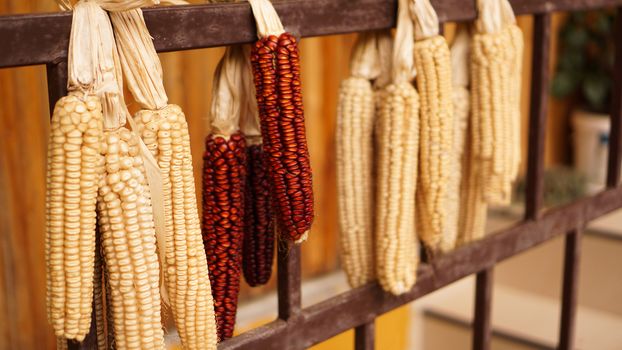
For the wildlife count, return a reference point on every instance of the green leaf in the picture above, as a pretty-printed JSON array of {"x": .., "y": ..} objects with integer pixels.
[
  {"x": 564, "y": 84},
  {"x": 576, "y": 37},
  {"x": 602, "y": 25},
  {"x": 571, "y": 60},
  {"x": 596, "y": 89}
]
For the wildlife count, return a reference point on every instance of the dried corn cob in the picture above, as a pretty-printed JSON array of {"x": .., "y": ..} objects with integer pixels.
[
  {"x": 223, "y": 213},
  {"x": 276, "y": 69},
  {"x": 354, "y": 140},
  {"x": 164, "y": 130},
  {"x": 437, "y": 132},
  {"x": 460, "y": 77},
  {"x": 224, "y": 179},
  {"x": 259, "y": 230},
  {"x": 72, "y": 176},
  {"x": 129, "y": 244},
  {"x": 496, "y": 77},
  {"x": 258, "y": 247},
  {"x": 472, "y": 208},
  {"x": 397, "y": 137}
]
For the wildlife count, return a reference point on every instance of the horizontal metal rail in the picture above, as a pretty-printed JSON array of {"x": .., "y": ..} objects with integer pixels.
[
  {"x": 359, "y": 306},
  {"x": 44, "y": 38}
]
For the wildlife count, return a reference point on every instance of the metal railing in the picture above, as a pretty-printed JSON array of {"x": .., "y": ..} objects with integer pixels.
[{"x": 43, "y": 39}]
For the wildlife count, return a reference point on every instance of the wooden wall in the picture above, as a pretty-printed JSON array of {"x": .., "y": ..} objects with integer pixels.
[{"x": 23, "y": 134}]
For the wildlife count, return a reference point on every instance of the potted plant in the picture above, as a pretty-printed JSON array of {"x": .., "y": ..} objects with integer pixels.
[{"x": 584, "y": 75}]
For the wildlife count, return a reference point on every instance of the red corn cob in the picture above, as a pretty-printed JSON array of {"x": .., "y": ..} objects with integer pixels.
[
  {"x": 258, "y": 247},
  {"x": 223, "y": 219},
  {"x": 276, "y": 71}
]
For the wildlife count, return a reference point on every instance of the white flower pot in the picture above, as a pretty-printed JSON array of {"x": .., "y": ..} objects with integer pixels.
[{"x": 591, "y": 147}]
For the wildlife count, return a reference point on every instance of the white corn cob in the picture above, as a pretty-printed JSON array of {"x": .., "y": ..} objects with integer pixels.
[
  {"x": 461, "y": 106},
  {"x": 436, "y": 146},
  {"x": 354, "y": 141},
  {"x": 129, "y": 244},
  {"x": 495, "y": 74},
  {"x": 517, "y": 43},
  {"x": 397, "y": 251},
  {"x": 472, "y": 209},
  {"x": 165, "y": 132},
  {"x": 73, "y": 173}
]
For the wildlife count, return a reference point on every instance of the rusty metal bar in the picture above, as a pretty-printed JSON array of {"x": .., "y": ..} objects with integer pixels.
[
  {"x": 482, "y": 326},
  {"x": 537, "y": 116},
  {"x": 364, "y": 336},
  {"x": 44, "y": 38},
  {"x": 570, "y": 290},
  {"x": 358, "y": 306},
  {"x": 289, "y": 280},
  {"x": 615, "y": 138},
  {"x": 57, "y": 82}
]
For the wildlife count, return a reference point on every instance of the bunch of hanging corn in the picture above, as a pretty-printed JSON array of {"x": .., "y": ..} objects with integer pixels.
[
  {"x": 354, "y": 140},
  {"x": 224, "y": 179},
  {"x": 397, "y": 134},
  {"x": 258, "y": 246},
  {"x": 164, "y": 130},
  {"x": 496, "y": 64},
  {"x": 276, "y": 68},
  {"x": 437, "y": 127}
]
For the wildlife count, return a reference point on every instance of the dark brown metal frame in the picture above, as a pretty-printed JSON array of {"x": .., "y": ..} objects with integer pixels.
[{"x": 43, "y": 39}]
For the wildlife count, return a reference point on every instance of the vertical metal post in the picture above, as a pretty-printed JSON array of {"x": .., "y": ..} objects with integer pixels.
[
  {"x": 570, "y": 290},
  {"x": 482, "y": 327},
  {"x": 364, "y": 336},
  {"x": 288, "y": 263},
  {"x": 615, "y": 138},
  {"x": 57, "y": 82},
  {"x": 289, "y": 280},
  {"x": 538, "y": 116}
]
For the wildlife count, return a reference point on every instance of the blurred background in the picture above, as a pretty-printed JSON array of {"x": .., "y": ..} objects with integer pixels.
[{"x": 527, "y": 287}]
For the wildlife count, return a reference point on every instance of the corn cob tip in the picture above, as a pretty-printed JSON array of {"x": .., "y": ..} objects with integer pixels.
[{"x": 302, "y": 238}]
